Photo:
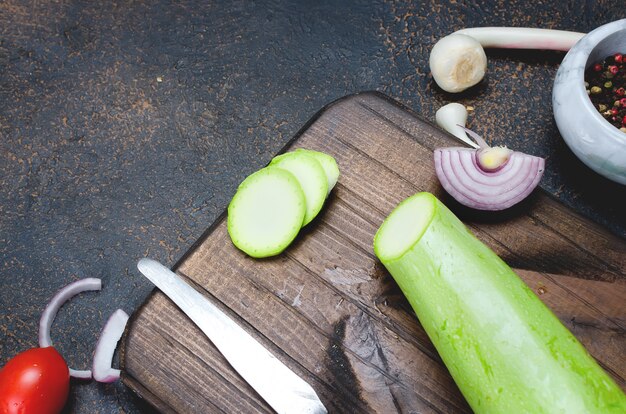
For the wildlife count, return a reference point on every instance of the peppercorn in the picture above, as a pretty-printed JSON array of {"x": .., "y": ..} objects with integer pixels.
[{"x": 605, "y": 83}]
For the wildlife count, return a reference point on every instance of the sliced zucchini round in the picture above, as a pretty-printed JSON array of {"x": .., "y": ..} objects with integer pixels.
[
  {"x": 267, "y": 212},
  {"x": 328, "y": 163},
  {"x": 310, "y": 174}
]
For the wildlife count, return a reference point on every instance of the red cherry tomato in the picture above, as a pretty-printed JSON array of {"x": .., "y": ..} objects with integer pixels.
[{"x": 35, "y": 381}]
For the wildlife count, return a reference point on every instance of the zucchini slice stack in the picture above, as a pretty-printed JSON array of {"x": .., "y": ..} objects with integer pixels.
[{"x": 273, "y": 204}]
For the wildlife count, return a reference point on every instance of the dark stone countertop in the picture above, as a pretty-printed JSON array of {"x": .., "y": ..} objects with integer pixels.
[{"x": 126, "y": 127}]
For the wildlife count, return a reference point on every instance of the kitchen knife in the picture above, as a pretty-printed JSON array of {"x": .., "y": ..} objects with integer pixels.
[{"x": 283, "y": 390}]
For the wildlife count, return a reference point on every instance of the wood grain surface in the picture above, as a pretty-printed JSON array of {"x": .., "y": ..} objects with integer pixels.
[{"x": 329, "y": 310}]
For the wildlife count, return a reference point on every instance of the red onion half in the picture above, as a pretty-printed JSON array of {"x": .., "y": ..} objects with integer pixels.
[
  {"x": 48, "y": 315},
  {"x": 110, "y": 336},
  {"x": 483, "y": 187}
]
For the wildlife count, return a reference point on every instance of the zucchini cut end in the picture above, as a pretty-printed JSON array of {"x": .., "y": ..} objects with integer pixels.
[{"x": 404, "y": 227}]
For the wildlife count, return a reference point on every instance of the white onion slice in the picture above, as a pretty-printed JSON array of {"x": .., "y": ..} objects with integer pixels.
[
  {"x": 110, "y": 336},
  {"x": 48, "y": 315},
  {"x": 462, "y": 177}
]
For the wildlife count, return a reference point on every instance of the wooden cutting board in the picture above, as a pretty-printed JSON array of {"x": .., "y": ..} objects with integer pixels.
[{"x": 329, "y": 310}]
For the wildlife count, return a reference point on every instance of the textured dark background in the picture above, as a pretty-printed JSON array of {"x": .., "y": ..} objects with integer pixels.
[{"x": 126, "y": 127}]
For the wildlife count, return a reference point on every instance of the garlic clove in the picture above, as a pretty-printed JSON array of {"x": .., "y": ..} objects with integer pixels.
[
  {"x": 449, "y": 117},
  {"x": 457, "y": 62}
]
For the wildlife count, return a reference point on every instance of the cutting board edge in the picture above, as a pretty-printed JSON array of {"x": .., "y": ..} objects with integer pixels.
[{"x": 142, "y": 392}]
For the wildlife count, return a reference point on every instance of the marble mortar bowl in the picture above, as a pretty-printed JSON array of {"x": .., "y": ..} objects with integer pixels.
[{"x": 597, "y": 143}]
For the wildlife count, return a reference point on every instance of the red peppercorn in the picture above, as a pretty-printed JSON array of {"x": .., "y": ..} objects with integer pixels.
[
  {"x": 622, "y": 102},
  {"x": 624, "y": 120},
  {"x": 620, "y": 92},
  {"x": 597, "y": 67},
  {"x": 613, "y": 111},
  {"x": 618, "y": 58},
  {"x": 613, "y": 69}
]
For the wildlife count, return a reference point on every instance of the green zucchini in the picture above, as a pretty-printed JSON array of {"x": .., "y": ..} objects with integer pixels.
[
  {"x": 507, "y": 352},
  {"x": 266, "y": 213},
  {"x": 311, "y": 177},
  {"x": 328, "y": 163}
]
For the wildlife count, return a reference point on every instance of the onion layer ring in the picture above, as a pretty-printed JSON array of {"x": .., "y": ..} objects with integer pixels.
[
  {"x": 48, "y": 315},
  {"x": 466, "y": 182},
  {"x": 110, "y": 336}
]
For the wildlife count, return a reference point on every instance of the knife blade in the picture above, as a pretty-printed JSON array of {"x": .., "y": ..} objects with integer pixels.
[{"x": 278, "y": 385}]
